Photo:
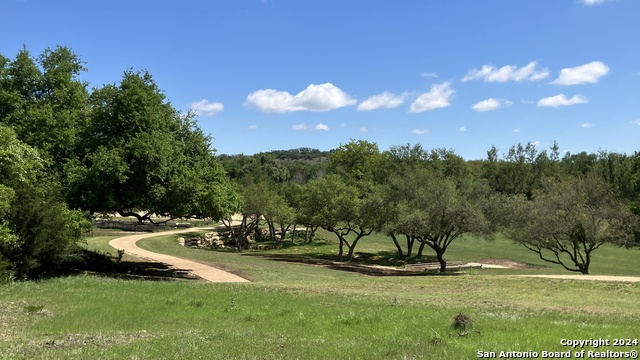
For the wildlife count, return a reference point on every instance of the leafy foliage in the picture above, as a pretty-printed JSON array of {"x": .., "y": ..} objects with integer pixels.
[
  {"x": 37, "y": 231},
  {"x": 336, "y": 207},
  {"x": 568, "y": 220},
  {"x": 142, "y": 157}
]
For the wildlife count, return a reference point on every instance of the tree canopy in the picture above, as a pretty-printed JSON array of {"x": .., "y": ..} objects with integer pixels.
[
  {"x": 141, "y": 157},
  {"x": 568, "y": 220}
]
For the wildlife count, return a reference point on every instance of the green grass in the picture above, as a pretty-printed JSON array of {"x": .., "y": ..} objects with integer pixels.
[
  {"x": 607, "y": 260},
  {"x": 293, "y": 310}
]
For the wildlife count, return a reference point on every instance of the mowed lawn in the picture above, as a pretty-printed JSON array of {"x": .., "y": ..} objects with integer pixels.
[{"x": 293, "y": 310}]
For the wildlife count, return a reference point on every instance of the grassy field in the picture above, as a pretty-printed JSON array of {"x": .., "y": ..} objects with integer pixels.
[{"x": 295, "y": 310}]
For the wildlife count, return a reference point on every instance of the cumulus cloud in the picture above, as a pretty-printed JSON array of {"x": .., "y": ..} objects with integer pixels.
[
  {"x": 491, "y": 104},
  {"x": 586, "y": 125},
  {"x": 562, "y": 100},
  {"x": 364, "y": 130},
  {"x": 489, "y": 73},
  {"x": 299, "y": 127},
  {"x": 206, "y": 108},
  {"x": 419, "y": 131},
  {"x": 386, "y": 100},
  {"x": 438, "y": 97},
  {"x": 321, "y": 127},
  {"x": 323, "y": 97},
  {"x": 462, "y": 129},
  {"x": 587, "y": 73},
  {"x": 252, "y": 127}
]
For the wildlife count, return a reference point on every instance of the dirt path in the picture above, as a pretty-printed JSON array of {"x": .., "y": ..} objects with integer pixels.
[
  {"x": 588, "y": 277},
  {"x": 208, "y": 273}
]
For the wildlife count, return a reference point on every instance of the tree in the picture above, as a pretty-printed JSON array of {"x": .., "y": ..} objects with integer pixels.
[
  {"x": 356, "y": 162},
  {"x": 520, "y": 169},
  {"x": 253, "y": 202},
  {"x": 37, "y": 231},
  {"x": 142, "y": 157},
  {"x": 336, "y": 207},
  {"x": 437, "y": 210},
  {"x": 566, "y": 221},
  {"x": 45, "y": 103}
]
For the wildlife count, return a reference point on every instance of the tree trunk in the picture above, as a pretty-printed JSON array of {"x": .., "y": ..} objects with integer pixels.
[
  {"x": 420, "y": 250},
  {"x": 313, "y": 232},
  {"x": 352, "y": 247},
  {"x": 410, "y": 241},
  {"x": 395, "y": 241},
  {"x": 350, "y": 252},
  {"x": 443, "y": 264},
  {"x": 584, "y": 268},
  {"x": 272, "y": 230},
  {"x": 293, "y": 233},
  {"x": 284, "y": 230}
]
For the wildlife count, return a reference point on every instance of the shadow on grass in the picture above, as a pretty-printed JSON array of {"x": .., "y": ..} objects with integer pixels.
[
  {"x": 104, "y": 265},
  {"x": 381, "y": 264}
]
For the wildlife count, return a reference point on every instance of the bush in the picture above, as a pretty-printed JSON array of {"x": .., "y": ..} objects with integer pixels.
[{"x": 46, "y": 234}]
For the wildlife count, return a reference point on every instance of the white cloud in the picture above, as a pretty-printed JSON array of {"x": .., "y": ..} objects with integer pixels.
[
  {"x": 489, "y": 73},
  {"x": 385, "y": 100},
  {"x": 586, "y": 125},
  {"x": 206, "y": 108},
  {"x": 343, "y": 124},
  {"x": 561, "y": 100},
  {"x": 323, "y": 97},
  {"x": 516, "y": 130},
  {"x": 304, "y": 126},
  {"x": 438, "y": 97},
  {"x": 462, "y": 129},
  {"x": 536, "y": 143},
  {"x": 429, "y": 75},
  {"x": 419, "y": 131},
  {"x": 252, "y": 127},
  {"x": 364, "y": 130},
  {"x": 491, "y": 104},
  {"x": 636, "y": 122},
  {"x": 593, "y": 2},
  {"x": 587, "y": 73}
]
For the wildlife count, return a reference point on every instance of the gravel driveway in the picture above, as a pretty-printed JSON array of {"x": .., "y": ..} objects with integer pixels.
[{"x": 206, "y": 272}]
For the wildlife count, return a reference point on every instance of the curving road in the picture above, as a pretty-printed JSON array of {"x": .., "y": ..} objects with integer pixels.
[{"x": 206, "y": 272}]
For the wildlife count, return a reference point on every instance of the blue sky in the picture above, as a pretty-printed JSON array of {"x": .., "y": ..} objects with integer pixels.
[{"x": 281, "y": 74}]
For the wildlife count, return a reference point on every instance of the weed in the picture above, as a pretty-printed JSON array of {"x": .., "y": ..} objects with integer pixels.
[
  {"x": 462, "y": 323},
  {"x": 197, "y": 303},
  {"x": 33, "y": 309},
  {"x": 233, "y": 305},
  {"x": 436, "y": 339}
]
